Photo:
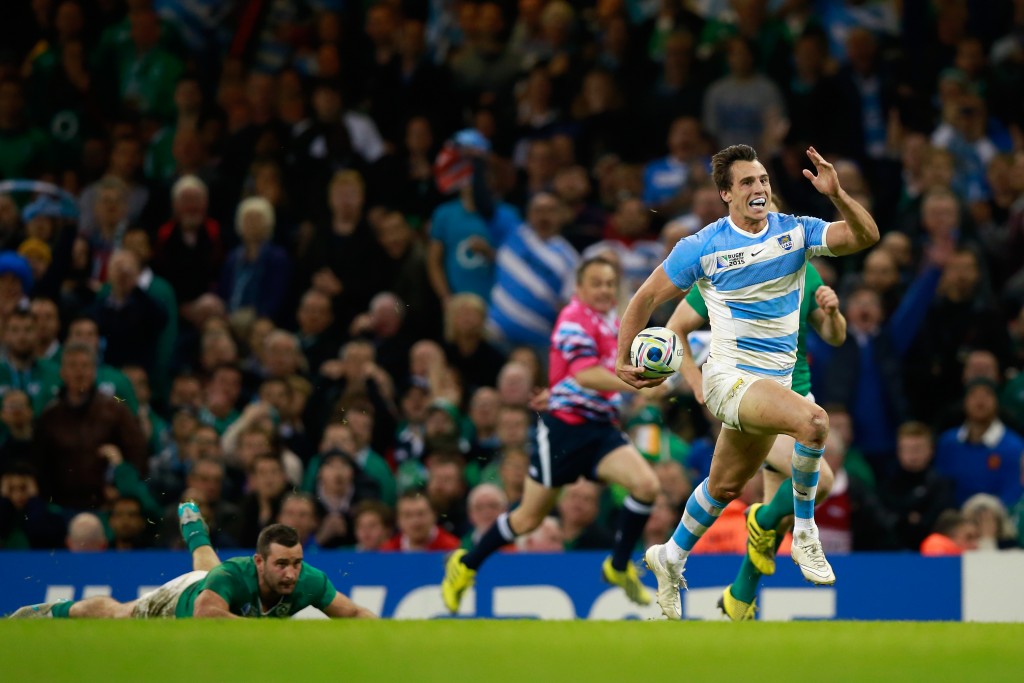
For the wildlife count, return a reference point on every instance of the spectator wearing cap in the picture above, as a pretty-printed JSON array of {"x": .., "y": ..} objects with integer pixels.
[
  {"x": 255, "y": 274},
  {"x": 465, "y": 232},
  {"x": 15, "y": 282},
  {"x": 87, "y": 438},
  {"x": 38, "y": 254},
  {"x": 982, "y": 455}
]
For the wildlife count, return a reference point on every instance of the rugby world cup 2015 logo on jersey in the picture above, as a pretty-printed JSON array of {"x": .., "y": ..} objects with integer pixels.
[
  {"x": 730, "y": 260},
  {"x": 785, "y": 241}
]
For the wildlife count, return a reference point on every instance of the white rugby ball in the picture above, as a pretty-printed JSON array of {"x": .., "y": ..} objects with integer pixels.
[{"x": 658, "y": 351}]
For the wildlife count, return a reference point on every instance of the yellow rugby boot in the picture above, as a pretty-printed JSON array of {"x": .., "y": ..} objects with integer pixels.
[
  {"x": 628, "y": 580},
  {"x": 760, "y": 543},
  {"x": 737, "y": 610},
  {"x": 457, "y": 579}
]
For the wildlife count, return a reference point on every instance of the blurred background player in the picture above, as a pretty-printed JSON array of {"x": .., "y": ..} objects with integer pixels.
[{"x": 579, "y": 435}]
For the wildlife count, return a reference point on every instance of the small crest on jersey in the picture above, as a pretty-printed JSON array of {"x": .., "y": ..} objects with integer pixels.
[
  {"x": 729, "y": 260},
  {"x": 785, "y": 241}
]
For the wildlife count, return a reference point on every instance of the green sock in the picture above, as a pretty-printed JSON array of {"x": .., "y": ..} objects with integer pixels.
[
  {"x": 781, "y": 505},
  {"x": 744, "y": 588},
  {"x": 195, "y": 535},
  {"x": 62, "y": 610}
]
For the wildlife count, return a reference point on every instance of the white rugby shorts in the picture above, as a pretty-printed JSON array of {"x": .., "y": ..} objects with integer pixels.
[
  {"x": 162, "y": 602},
  {"x": 724, "y": 387}
]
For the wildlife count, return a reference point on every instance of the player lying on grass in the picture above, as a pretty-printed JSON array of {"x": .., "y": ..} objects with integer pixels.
[
  {"x": 767, "y": 523},
  {"x": 275, "y": 582}
]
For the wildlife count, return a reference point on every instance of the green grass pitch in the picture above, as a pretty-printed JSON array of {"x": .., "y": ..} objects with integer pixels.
[{"x": 469, "y": 650}]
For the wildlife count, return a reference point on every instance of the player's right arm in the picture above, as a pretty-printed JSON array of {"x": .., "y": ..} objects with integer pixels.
[
  {"x": 210, "y": 605},
  {"x": 685, "y": 319},
  {"x": 341, "y": 607}
]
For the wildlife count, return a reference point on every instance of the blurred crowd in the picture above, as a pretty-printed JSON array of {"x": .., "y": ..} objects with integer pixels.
[{"x": 298, "y": 260}]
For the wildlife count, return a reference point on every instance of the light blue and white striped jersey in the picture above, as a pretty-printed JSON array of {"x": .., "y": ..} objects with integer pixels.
[
  {"x": 535, "y": 279},
  {"x": 752, "y": 284}
]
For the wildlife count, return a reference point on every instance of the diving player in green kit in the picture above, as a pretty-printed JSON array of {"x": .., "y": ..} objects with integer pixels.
[{"x": 275, "y": 582}]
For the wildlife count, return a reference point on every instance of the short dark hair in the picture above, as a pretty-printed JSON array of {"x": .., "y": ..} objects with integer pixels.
[
  {"x": 374, "y": 507},
  {"x": 413, "y": 494},
  {"x": 594, "y": 261},
  {"x": 721, "y": 163},
  {"x": 276, "y": 533},
  {"x": 134, "y": 500},
  {"x": 306, "y": 498},
  {"x": 22, "y": 313},
  {"x": 948, "y": 522}
]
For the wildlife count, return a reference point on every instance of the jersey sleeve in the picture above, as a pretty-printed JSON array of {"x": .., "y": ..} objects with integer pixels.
[
  {"x": 815, "y": 230},
  {"x": 577, "y": 346},
  {"x": 225, "y": 582},
  {"x": 317, "y": 588},
  {"x": 812, "y": 280},
  {"x": 697, "y": 303},
  {"x": 683, "y": 265}
]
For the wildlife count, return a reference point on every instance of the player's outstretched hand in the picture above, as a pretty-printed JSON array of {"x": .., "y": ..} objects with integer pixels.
[
  {"x": 633, "y": 376},
  {"x": 827, "y": 299},
  {"x": 827, "y": 180}
]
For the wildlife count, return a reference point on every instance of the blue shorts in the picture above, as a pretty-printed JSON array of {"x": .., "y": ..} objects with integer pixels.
[{"x": 563, "y": 452}]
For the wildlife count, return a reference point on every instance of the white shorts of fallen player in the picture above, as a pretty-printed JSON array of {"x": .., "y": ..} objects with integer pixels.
[
  {"x": 724, "y": 388},
  {"x": 162, "y": 602}
]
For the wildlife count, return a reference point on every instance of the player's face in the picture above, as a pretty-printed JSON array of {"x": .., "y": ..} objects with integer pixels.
[
  {"x": 750, "y": 194},
  {"x": 598, "y": 287},
  {"x": 279, "y": 571}
]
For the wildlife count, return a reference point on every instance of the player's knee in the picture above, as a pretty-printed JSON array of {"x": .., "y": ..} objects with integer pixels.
[
  {"x": 726, "y": 492},
  {"x": 815, "y": 429},
  {"x": 523, "y": 521}
]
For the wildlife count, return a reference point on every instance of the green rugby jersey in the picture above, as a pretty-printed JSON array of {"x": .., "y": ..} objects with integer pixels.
[
  {"x": 235, "y": 580},
  {"x": 801, "y": 371}
]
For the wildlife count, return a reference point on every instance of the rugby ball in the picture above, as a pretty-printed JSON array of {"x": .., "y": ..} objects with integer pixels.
[{"x": 658, "y": 351}]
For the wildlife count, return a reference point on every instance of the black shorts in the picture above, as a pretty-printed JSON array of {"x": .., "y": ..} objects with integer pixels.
[{"x": 563, "y": 452}]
